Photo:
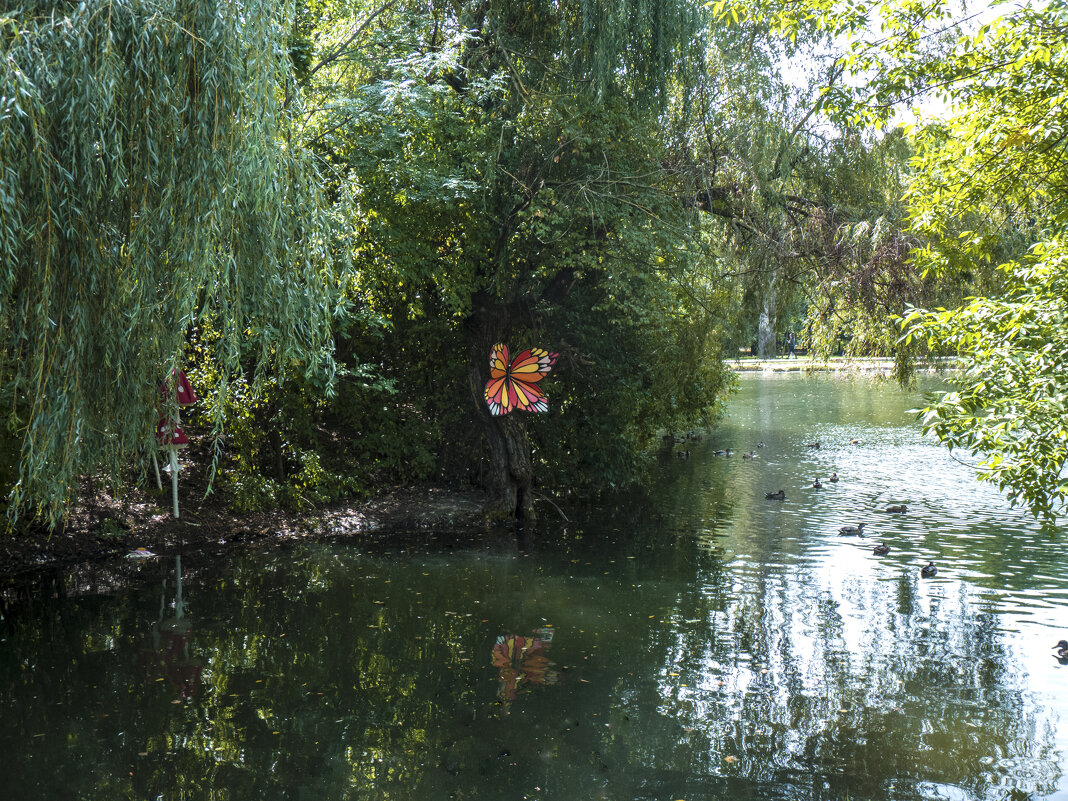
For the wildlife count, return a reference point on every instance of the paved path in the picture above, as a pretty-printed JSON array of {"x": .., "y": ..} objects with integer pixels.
[{"x": 806, "y": 364}]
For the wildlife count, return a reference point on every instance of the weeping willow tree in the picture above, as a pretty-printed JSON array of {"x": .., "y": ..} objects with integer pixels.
[
  {"x": 804, "y": 208},
  {"x": 752, "y": 153},
  {"x": 149, "y": 184}
]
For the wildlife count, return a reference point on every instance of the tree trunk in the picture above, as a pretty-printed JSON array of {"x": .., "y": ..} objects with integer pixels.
[
  {"x": 511, "y": 474},
  {"x": 766, "y": 340}
]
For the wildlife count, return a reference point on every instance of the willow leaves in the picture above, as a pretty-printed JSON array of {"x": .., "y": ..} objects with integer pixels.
[{"x": 148, "y": 184}]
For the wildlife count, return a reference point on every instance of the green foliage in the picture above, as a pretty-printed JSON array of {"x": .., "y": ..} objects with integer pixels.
[
  {"x": 509, "y": 170},
  {"x": 627, "y": 377},
  {"x": 1011, "y": 406},
  {"x": 990, "y": 190},
  {"x": 804, "y": 212},
  {"x": 571, "y": 174},
  {"x": 149, "y": 180},
  {"x": 285, "y": 443}
]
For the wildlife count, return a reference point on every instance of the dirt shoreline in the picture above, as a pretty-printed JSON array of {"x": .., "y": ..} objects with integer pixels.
[{"x": 110, "y": 528}]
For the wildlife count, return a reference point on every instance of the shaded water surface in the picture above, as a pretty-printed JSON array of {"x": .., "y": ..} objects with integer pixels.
[{"x": 698, "y": 642}]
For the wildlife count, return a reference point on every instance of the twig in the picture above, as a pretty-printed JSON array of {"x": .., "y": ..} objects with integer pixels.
[{"x": 559, "y": 511}]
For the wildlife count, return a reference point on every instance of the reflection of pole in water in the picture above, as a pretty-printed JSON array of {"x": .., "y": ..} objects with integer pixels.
[
  {"x": 179, "y": 605},
  {"x": 169, "y": 656}
]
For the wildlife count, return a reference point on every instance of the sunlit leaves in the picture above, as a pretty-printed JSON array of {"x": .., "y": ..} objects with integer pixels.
[
  {"x": 1011, "y": 406},
  {"x": 990, "y": 189}
]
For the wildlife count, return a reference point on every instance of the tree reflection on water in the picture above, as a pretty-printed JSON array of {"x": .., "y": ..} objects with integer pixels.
[
  {"x": 883, "y": 693},
  {"x": 351, "y": 677}
]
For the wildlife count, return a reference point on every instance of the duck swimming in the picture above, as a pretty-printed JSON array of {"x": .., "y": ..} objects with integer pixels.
[
  {"x": 749, "y": 455},
  {"x": 816, "y": 484},
  {"x": 833, "y": 478},
  {"x": 813, "y": 445},
  {"x": 776, "y": 496},
  {"x": 1062, "y": 648},
  {"x": 929, "y": 570},
  {"x": 852, "y": 530},
  {"x": 881, "y": 549},
  {"x": 900, "y": 509}
]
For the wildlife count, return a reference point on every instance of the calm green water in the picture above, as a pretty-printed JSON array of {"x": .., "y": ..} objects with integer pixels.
[{"x": 698, "y": 643}]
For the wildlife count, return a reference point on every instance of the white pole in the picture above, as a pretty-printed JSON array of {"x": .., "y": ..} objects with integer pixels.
[{"x": 174, "y": 478}]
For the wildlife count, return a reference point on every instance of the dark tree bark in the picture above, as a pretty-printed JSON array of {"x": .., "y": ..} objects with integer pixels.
[{"x": 511, "y": 475}]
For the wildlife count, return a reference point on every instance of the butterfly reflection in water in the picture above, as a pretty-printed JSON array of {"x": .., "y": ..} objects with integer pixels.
[{"x": 515, "y": 385}]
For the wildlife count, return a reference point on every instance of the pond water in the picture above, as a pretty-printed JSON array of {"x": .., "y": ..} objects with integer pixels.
[{"x": 694, "y": 642}]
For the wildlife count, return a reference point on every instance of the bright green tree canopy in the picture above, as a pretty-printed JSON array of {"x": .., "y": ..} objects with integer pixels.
[{"x": 992, "y": 189}]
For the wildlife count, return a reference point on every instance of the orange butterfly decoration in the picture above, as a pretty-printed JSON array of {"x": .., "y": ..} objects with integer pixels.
[{"x": 515, "y": 385}]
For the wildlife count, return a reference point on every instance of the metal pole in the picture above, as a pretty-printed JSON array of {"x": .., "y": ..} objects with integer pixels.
[{"x": 174, "y": 478}]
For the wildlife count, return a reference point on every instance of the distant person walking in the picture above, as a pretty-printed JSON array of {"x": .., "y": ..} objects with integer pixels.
[{"x": 791, "y": 343}]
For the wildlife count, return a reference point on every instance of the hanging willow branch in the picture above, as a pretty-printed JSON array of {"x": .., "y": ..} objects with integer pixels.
[{"x": 147, "y": 181}]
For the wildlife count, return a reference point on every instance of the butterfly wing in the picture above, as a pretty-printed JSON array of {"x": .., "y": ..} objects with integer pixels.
[
  {"x": 498, "y": 361},
  {"x": 533, "y": 365},
  {"x": 528, "y": 396},
  {"x": 496, "y": 392},
  {"x": 498, "y": 397}
]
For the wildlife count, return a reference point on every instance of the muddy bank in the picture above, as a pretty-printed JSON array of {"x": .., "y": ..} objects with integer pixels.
[{"x": 107, "y": 528}]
